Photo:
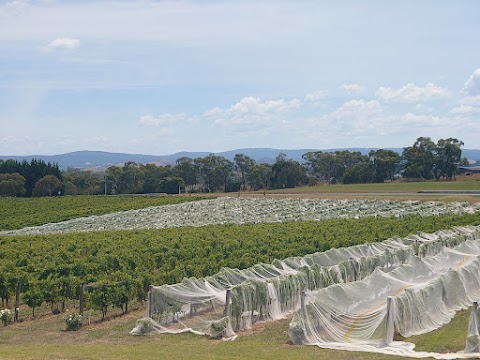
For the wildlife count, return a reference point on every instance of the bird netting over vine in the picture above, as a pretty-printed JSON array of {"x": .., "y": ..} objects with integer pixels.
[
  {"x": 414, "y": 298},
  {"x": 233, "y": 300}
]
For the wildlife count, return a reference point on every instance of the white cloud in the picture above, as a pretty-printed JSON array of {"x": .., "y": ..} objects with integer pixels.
[
  {"x": 163, "y": 119},
  {"x": 64, "y": 43},
  {"x": 13, "y": 8},
  {"x": 469, "y": 105},
  {"x": 357, "y": 109},
  {"x": 251, "y": 115},
  {"x": 412, "y": 93},
  {"x": 472, "y": 85},
  {"x": 315, "y": 96},
  {"x": 409, "y": 120},
  {"x": 351, "y": 88}
]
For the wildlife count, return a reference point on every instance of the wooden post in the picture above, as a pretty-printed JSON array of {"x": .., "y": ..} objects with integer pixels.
[
  {"x": 302, "y": 303},
  {"x": 390, "y": 321},
  {"x": 150, "y": 301},
  {"x": 82, "y": 298},
  {"x": 228, "y": 304},
  {"x": 17, "y": 302}
]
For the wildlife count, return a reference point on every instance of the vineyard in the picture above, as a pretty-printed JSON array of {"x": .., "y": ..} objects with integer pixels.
[
  {"x": 428, "y": 276},
  {"x": 51, "y": 262},
  {"x": 16, "y": 213},
  {"x": 240, "y": 211}
]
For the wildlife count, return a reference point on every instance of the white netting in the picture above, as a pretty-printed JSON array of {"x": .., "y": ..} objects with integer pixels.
[
  {"x": 271, "y": 291},
  {"x": 248, "y": 211},
  {"x": 472, "y": 344},
  {"x": 424, "y": 294}
]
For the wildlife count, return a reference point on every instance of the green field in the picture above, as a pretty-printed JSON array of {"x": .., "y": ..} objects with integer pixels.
[
  {"x": 167, "y": 255},
  {"x": 388, "y": 187}
]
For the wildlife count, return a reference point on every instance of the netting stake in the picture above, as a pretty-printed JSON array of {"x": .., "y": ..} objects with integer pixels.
[
  {"x": 82, "y": 298},
  {"x": 150, "y": 301},
  {"x": 17, "y": 302},
  {"x": 228, "y": 304},
  {"x": 302, "y": 302},
  {"x": 390, "y": 320}
]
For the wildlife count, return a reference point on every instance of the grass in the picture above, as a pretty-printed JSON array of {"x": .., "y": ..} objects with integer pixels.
[
  {"x": 463, "y": 183},
  {"x": 16, "y": 213},
  {"x": 45, "y": 339}
]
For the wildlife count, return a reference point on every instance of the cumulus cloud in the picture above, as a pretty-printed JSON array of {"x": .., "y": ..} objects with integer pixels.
[
  {"x": 472, "y": 85},
  {"x": 163, "y": 119},
  {"x": 412, "y": 93},
  {"x": 64, "y": 43},
  {"x": 469, "y": 105},
  {"x": 357, "y": 109},
  {"x": 315, "y": 96},
  {"x": 251, "y": 114},
  {"x": 351, "y": 88}
]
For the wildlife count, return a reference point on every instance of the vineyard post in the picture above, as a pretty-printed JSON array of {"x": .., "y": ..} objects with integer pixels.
[
  {"x": 228, "y": 304},
  {"x": 82, "y": 298},
  {"x": 302, "y": 302},
  {"x": 390, "y": 321},
  {"x": 17, "y": 302},
  {"x": 150, "y": 301}
]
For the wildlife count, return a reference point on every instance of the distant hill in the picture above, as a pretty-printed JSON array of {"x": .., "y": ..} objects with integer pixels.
[{"x": 101, "y": 159}]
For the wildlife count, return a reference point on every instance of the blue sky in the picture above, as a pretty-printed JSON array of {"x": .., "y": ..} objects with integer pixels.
[{"x": 158, "y": 77}]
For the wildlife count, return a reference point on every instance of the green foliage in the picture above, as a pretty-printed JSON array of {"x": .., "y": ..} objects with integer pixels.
[
  {"x": 32, "y": 171},
  {"x": 287, "y": 173},
  {"x": 427, "y": 160},
  {"x": 51, "y": 267},
  {"x": 49, "y": 185},
  {"x": 12, "y": 184},
  {"x": 385, "y": 163},
  {"x": 331, "y": 166},
  {"x": 33, "y": 297}
]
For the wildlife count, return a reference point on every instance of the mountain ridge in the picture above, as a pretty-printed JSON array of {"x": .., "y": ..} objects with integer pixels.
[{"x": 86, "y": 159}]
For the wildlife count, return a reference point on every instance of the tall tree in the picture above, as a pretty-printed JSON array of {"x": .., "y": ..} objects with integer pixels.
[
  {"x": 331, "y": 166},
  {"x": 419, "y": 159},
  {"x": 260, "y": 176},
  {"x": 49, "y": 185},
  {"x": 287, "y": 173},
  {"x": 243, "y": 166},
  {"x": 114, "y": 179},
  {"x": 133, "y": 177},
  {"x": 448, "y": 155},
  {"x": 186, "y": 169},
  {"x": 211, "y": 171},
  {"x": 385, "y": 163},
  {"x": 12, "y": 184}
]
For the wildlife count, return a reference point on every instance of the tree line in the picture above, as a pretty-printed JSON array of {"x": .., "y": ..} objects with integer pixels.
[{"x": 424, "y": 160}]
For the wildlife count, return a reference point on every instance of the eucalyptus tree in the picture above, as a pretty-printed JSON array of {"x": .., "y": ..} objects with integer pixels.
[
  {"x": 448, "y": 155},
  {"x": 260, "y": 176},
  {"x": 243, "y": 166},
  {"x": 385, "y": 164},
  {"x": 187, "y": 169},
  {"x": 287, "y": 173},
  {"x": 419, "y": 159}
]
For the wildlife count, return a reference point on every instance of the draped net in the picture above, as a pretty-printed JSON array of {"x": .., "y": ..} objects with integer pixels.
[
  {"x": 233, "y": 300},
  {"x": 414, "y": 298}
]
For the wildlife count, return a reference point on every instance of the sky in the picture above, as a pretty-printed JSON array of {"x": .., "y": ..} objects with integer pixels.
[{"x": 159, "y": 77}]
